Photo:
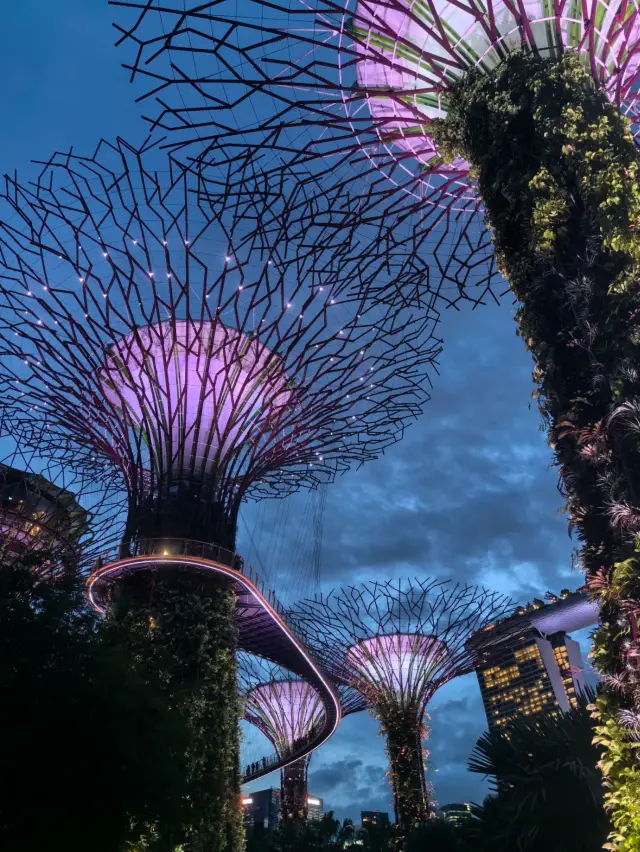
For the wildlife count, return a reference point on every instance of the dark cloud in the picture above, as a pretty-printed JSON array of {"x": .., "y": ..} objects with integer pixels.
[
  {"x": 350, "y": 785},
  {"x": 468, "y": 493}
]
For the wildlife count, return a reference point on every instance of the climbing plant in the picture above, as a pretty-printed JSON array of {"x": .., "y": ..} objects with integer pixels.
[
  {"x": 182, "y": 627},
  {"x": 558, "y": 172}
]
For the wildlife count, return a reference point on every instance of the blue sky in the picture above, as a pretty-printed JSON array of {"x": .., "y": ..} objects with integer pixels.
[{"x": 467, "y": 494}]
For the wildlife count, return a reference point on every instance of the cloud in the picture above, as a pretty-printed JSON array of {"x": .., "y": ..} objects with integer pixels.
[{"x": 468, "y": 494}]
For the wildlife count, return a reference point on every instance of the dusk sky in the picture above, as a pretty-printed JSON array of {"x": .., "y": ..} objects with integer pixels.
[{"x": 468, "y": 493}]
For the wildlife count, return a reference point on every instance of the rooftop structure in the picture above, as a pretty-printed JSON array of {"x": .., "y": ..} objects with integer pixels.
[
  {"x": 456, "y": 813},
  {"x": 396, "y": 644},
  {"x": 532, "y": 667}
]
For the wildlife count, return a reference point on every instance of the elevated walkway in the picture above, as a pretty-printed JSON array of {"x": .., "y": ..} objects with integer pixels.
[{"x": 262, "y": 626}]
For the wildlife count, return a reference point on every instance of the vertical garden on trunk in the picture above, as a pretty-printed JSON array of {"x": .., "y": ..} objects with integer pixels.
[
  {"x": 558, "y": 172},
  {"x": 188, "y": 623}
]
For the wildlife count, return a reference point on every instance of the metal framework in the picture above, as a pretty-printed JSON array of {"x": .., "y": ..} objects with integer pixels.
[
  {"x": 52, "y": 518},
  {"x": 397, "y": 643},
  {"x": 288, "y": 711},
  {"x": 343, "y": 92},
  {"x": 36, "y": 516},
  {"x": 156, "y": 330},
  {"x": 140, "y": 332}
]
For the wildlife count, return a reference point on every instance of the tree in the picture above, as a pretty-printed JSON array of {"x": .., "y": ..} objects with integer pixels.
[
  {"x": 295, "y": 836},
  {"x": 92, "y": 753},
  {"x": 557, "y": 170},
  {"x": 549, "y": 795}
]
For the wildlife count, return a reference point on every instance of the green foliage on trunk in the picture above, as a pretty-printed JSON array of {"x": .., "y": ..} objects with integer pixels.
[
  {"x": 403, "y": 734},
  {"x": 559, "y": 175},
  {"x": 182, "y": 627}
]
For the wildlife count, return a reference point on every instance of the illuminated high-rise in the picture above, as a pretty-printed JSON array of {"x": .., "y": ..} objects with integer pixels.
[{"x": 528, "y": 674}]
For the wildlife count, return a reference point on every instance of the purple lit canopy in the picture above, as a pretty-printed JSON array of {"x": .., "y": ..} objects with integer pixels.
[
  {"x": 284, "y": 710},
  {"x": 354, "y": 82},
  {"x": 400, "y": 664},
  {"x": 398, "y": 642},
  {"x": 151, "y": 323}
]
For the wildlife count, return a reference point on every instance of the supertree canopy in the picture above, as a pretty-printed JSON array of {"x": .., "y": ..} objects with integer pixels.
[
  {"x": 52, "y": 520},
  {"x": 286, "y": 710},
  {"x": 37, "y": 515},
  {"x": 145, "y": 331},
  {"x": 140, "y": 333},
  {"x": 396, "y": 643},
  {"x": 527, "y": 111}
]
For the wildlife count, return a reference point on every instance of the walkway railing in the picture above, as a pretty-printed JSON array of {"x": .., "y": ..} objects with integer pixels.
[
  {"x": 276, "y": 761},
  {"x": 199, "y": 550},
  {"x": 182, "y": 547}
]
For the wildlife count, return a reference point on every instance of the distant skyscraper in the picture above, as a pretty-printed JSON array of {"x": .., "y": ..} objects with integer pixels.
[
  {"x": 262, "y": 808},
  {"x": 456, "y": 813},
  {"x": 315, "y": 807},
  {"x": 527, "y": 674}
]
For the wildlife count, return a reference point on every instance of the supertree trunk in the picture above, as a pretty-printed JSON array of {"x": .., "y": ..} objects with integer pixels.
[
  {"x": 406, "y": 765},
  {"x": 293, "y": 790},
  {"x": 559, "y": 173},
  {"x": 189, "y": 623}
]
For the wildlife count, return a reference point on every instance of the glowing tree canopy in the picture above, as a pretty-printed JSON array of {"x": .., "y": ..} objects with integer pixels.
[
  {"x": 145, "y": 333},
  {"x": 377, "y": 70},
  {"x": 35, "y": 515},
  {"x": 52, "y": 519},
  {"x": 286, "y": 710},
  {"x": 397, "y": 643},
  {"x": 152, "y": 325}
]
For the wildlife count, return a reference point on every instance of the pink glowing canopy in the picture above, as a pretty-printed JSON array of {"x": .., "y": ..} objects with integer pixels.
[
  {"x": 199, "y": 392},
  {"x": 411, "y": 51},
  {"x": 400, "y": 664},
  {"x": 285, "y": 710}
]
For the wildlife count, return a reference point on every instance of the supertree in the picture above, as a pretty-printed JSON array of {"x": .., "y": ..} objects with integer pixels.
[
  {"x": 530, "y": 109},
  {"x": 396, "y": 643},
  {"x": 37, "y": 516},
  {"x": 52, "y": 519},
  {"x": 286, "y": 710},
  {"x": 143, "y": 330}
]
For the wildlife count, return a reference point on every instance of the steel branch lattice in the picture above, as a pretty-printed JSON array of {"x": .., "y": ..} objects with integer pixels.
[
  {"x": 395, "y": 640},
  {"x": 397, "y": 643},
  {"x": 343, "y": 92},
  {"x": 158, "y": 327},
  {"x": 143, "y": 330}
]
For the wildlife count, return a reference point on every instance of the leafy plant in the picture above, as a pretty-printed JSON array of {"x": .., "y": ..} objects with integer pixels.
[
  {"x": 181, "y": 628},
  {"x": 557, "y": 169}
]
